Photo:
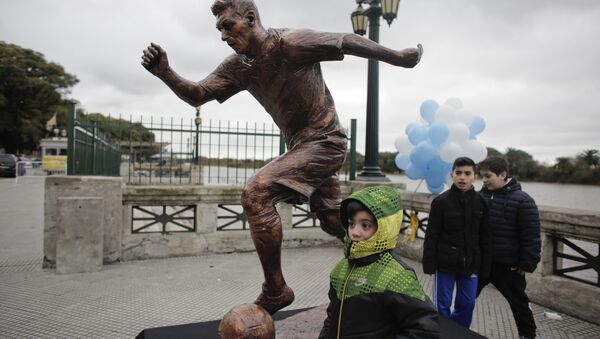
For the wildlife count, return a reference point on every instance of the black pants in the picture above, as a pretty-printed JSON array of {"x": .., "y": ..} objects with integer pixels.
[{"x": 512, "y": 286}]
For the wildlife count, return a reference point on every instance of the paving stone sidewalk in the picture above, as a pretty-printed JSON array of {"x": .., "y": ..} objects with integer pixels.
[{"x": 125, "y": 298}]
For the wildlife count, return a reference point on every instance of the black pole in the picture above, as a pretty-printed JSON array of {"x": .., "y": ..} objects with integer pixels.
[
  {"x": 196, "y": 149},
  {"x": 196, "y": 122},
  {"x": 71, "y": 137},
  {"x": 371, "y": 170}
]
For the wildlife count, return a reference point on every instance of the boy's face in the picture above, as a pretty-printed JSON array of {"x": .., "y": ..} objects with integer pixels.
[
  {"x": 361, "y": 226},
  {"x": 463, "y": 177},
  {"x": 493, "y": 181}
]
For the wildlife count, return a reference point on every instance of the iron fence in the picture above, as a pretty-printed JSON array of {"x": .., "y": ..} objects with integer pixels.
[
  {"x": 185, "y": 151},
  {"x": 574, "y": 259},
  {"x": 89, "y": 150}
]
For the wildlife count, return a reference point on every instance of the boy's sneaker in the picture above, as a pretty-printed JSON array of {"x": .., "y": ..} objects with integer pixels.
[{"x": 274, "y": 304}]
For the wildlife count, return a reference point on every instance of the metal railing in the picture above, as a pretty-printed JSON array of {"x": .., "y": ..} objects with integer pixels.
[
  {"x": 89, "y": 151},
  {"x": 163, "y": 219},
  {"x": 39, "y": 168},
  {"x": 169, "y": 151},
  {"x": 573, "y": 259}
]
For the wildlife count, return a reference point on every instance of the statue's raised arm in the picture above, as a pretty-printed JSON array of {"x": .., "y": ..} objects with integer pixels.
[
  {"x": 354, "y": 44},
  {"x": 154, "y": 59},
  {"x": 308, "y": 46}
]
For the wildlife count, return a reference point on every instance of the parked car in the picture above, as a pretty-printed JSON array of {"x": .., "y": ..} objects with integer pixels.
[
  {"x": 8, "y": 165},
  {"x": 25, "y": 163}
]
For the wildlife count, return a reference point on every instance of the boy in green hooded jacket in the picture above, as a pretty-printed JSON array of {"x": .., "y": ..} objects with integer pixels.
[{"x": 373, "y": 294}]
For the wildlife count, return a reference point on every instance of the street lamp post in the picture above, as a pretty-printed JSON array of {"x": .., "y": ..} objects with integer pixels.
[
  {"x": 197, "y": 121},
  {"x": 360, "y": 17}
]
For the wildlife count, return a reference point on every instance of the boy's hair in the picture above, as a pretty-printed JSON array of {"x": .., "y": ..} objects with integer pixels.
[
  {"x": 464, "y": 161},
  {"x": 353, "y": 207},
  {"x": 241, "y": 7},
  {"x": 494, "y": 164}
]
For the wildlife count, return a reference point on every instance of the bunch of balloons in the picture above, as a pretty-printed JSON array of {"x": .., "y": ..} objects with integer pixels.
[{"x": 446, "y": 132}]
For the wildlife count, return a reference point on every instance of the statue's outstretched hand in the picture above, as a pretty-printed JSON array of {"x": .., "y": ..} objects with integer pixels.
[{"x": 155, "y": 60}]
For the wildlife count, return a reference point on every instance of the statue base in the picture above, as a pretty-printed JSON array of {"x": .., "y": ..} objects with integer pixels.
[{"x": 303, "y": 323}]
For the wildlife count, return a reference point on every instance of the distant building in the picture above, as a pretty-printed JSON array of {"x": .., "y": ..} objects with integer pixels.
[{"x": 53, "y": 153}]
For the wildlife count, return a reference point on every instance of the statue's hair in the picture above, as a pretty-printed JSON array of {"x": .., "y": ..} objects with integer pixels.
[{"x": 240, "y": 7}]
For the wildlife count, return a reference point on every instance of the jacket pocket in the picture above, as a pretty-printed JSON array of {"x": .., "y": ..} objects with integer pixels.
[{"x": 450, "y": 257}]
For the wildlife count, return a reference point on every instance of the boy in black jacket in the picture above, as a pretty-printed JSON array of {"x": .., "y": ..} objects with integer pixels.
[
  {"x": 515, "y": 226},
  {"x": 457, "y": 244}
]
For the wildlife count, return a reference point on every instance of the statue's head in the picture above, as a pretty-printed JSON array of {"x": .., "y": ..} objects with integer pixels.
[{"x": 238, "y": 22}]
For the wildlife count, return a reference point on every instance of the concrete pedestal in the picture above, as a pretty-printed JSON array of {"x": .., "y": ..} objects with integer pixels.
[{"x": 79, "y": 243}]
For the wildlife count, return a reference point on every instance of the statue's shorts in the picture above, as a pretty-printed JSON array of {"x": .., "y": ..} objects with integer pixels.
[{"x": 305, "y": 172}]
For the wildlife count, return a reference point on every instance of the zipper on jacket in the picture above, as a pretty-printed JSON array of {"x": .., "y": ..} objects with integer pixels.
[{"x": 342, "y": 301}]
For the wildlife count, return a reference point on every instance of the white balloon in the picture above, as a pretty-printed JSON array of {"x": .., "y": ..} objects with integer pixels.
[
  {"x": 474, "y": 150},
  {"x": 449, "y": 151},
  {"x": 402, "y": 144},
  {"x": 446, "y": 113},
  {"x": 454, "y": 102},
  {"x": 458, "y": 132},
  {"x": 464, "y": 117}
]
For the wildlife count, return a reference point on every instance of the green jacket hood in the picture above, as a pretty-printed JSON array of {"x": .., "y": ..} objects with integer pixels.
[{"x": 385, "y": 203}]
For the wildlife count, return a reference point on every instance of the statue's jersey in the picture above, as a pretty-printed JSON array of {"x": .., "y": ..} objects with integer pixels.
[{"x": 286, "y": 79}]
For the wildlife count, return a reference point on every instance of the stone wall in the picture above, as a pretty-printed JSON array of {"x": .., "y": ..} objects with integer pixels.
[
  {"x": 122, "y": 243},
  {"x": 206, "y": 237}
]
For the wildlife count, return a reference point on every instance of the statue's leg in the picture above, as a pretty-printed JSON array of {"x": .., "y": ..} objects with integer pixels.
[
  {"x": 325, "y": 203},
  {"x": 258, "y": 199},
  {"x": 293, "y": 176}
]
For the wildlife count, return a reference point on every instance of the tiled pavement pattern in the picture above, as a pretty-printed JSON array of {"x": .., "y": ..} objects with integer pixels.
[{"x": 123, "y": 299}]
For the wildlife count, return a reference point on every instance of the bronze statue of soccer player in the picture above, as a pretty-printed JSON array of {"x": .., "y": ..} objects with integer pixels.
[{"x": 280, "y": 68}]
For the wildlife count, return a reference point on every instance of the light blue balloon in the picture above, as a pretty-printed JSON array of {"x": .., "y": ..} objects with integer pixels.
[
  {"x": 422, "y": 154},
  {"x": 435, "y": 175},
  {"x": 447, "y": 168},
  {"x": 428, "y": 109},
  {"x": 417, "y": 134},
  {"x": 410, "y": 126},
  {"x": 435, "y": 189},
  {"x": 402, "y": 161},
  {"x": 438, "y": 133},
  {"x": 477, "y": 125},
  {"x": 434, "y": 179},
  {"x": 413, "y": 172}
]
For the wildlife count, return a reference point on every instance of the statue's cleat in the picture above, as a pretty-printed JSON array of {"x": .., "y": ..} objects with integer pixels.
[{"x": 274, "y": 304}]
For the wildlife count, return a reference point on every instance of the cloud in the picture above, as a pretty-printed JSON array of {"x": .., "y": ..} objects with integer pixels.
[{"x": 528, "y": 67}]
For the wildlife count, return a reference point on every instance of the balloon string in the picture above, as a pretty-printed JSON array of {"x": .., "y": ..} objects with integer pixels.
[{"x": 412, "y": 199}]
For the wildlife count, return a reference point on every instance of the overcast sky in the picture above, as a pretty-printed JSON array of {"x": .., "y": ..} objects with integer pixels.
[{"x": 529, "y": 68}]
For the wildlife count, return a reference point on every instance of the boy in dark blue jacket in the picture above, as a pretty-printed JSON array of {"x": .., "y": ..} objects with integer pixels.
[
  {"x": 515, "y": 226},
  {"x": 457, "y": 244}
]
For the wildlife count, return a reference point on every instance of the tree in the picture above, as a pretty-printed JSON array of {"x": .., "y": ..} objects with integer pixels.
[
  {"x": 521, "y": 164},
  {"x": 590, "y": 157},
  {"x": 563, "y": 169},
  {"x": 31, "y": 89},
  {"x": 387, "y": 162},
  {"x": 492, "y": 152},
  {"x": 120, "y": 129}
]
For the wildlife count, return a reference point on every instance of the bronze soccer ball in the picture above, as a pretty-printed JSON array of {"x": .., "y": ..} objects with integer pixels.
[{"x": 247, "y": 321}]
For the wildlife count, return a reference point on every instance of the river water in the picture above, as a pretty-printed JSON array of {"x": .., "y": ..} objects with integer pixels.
[{"x": 550, "y": 194}]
